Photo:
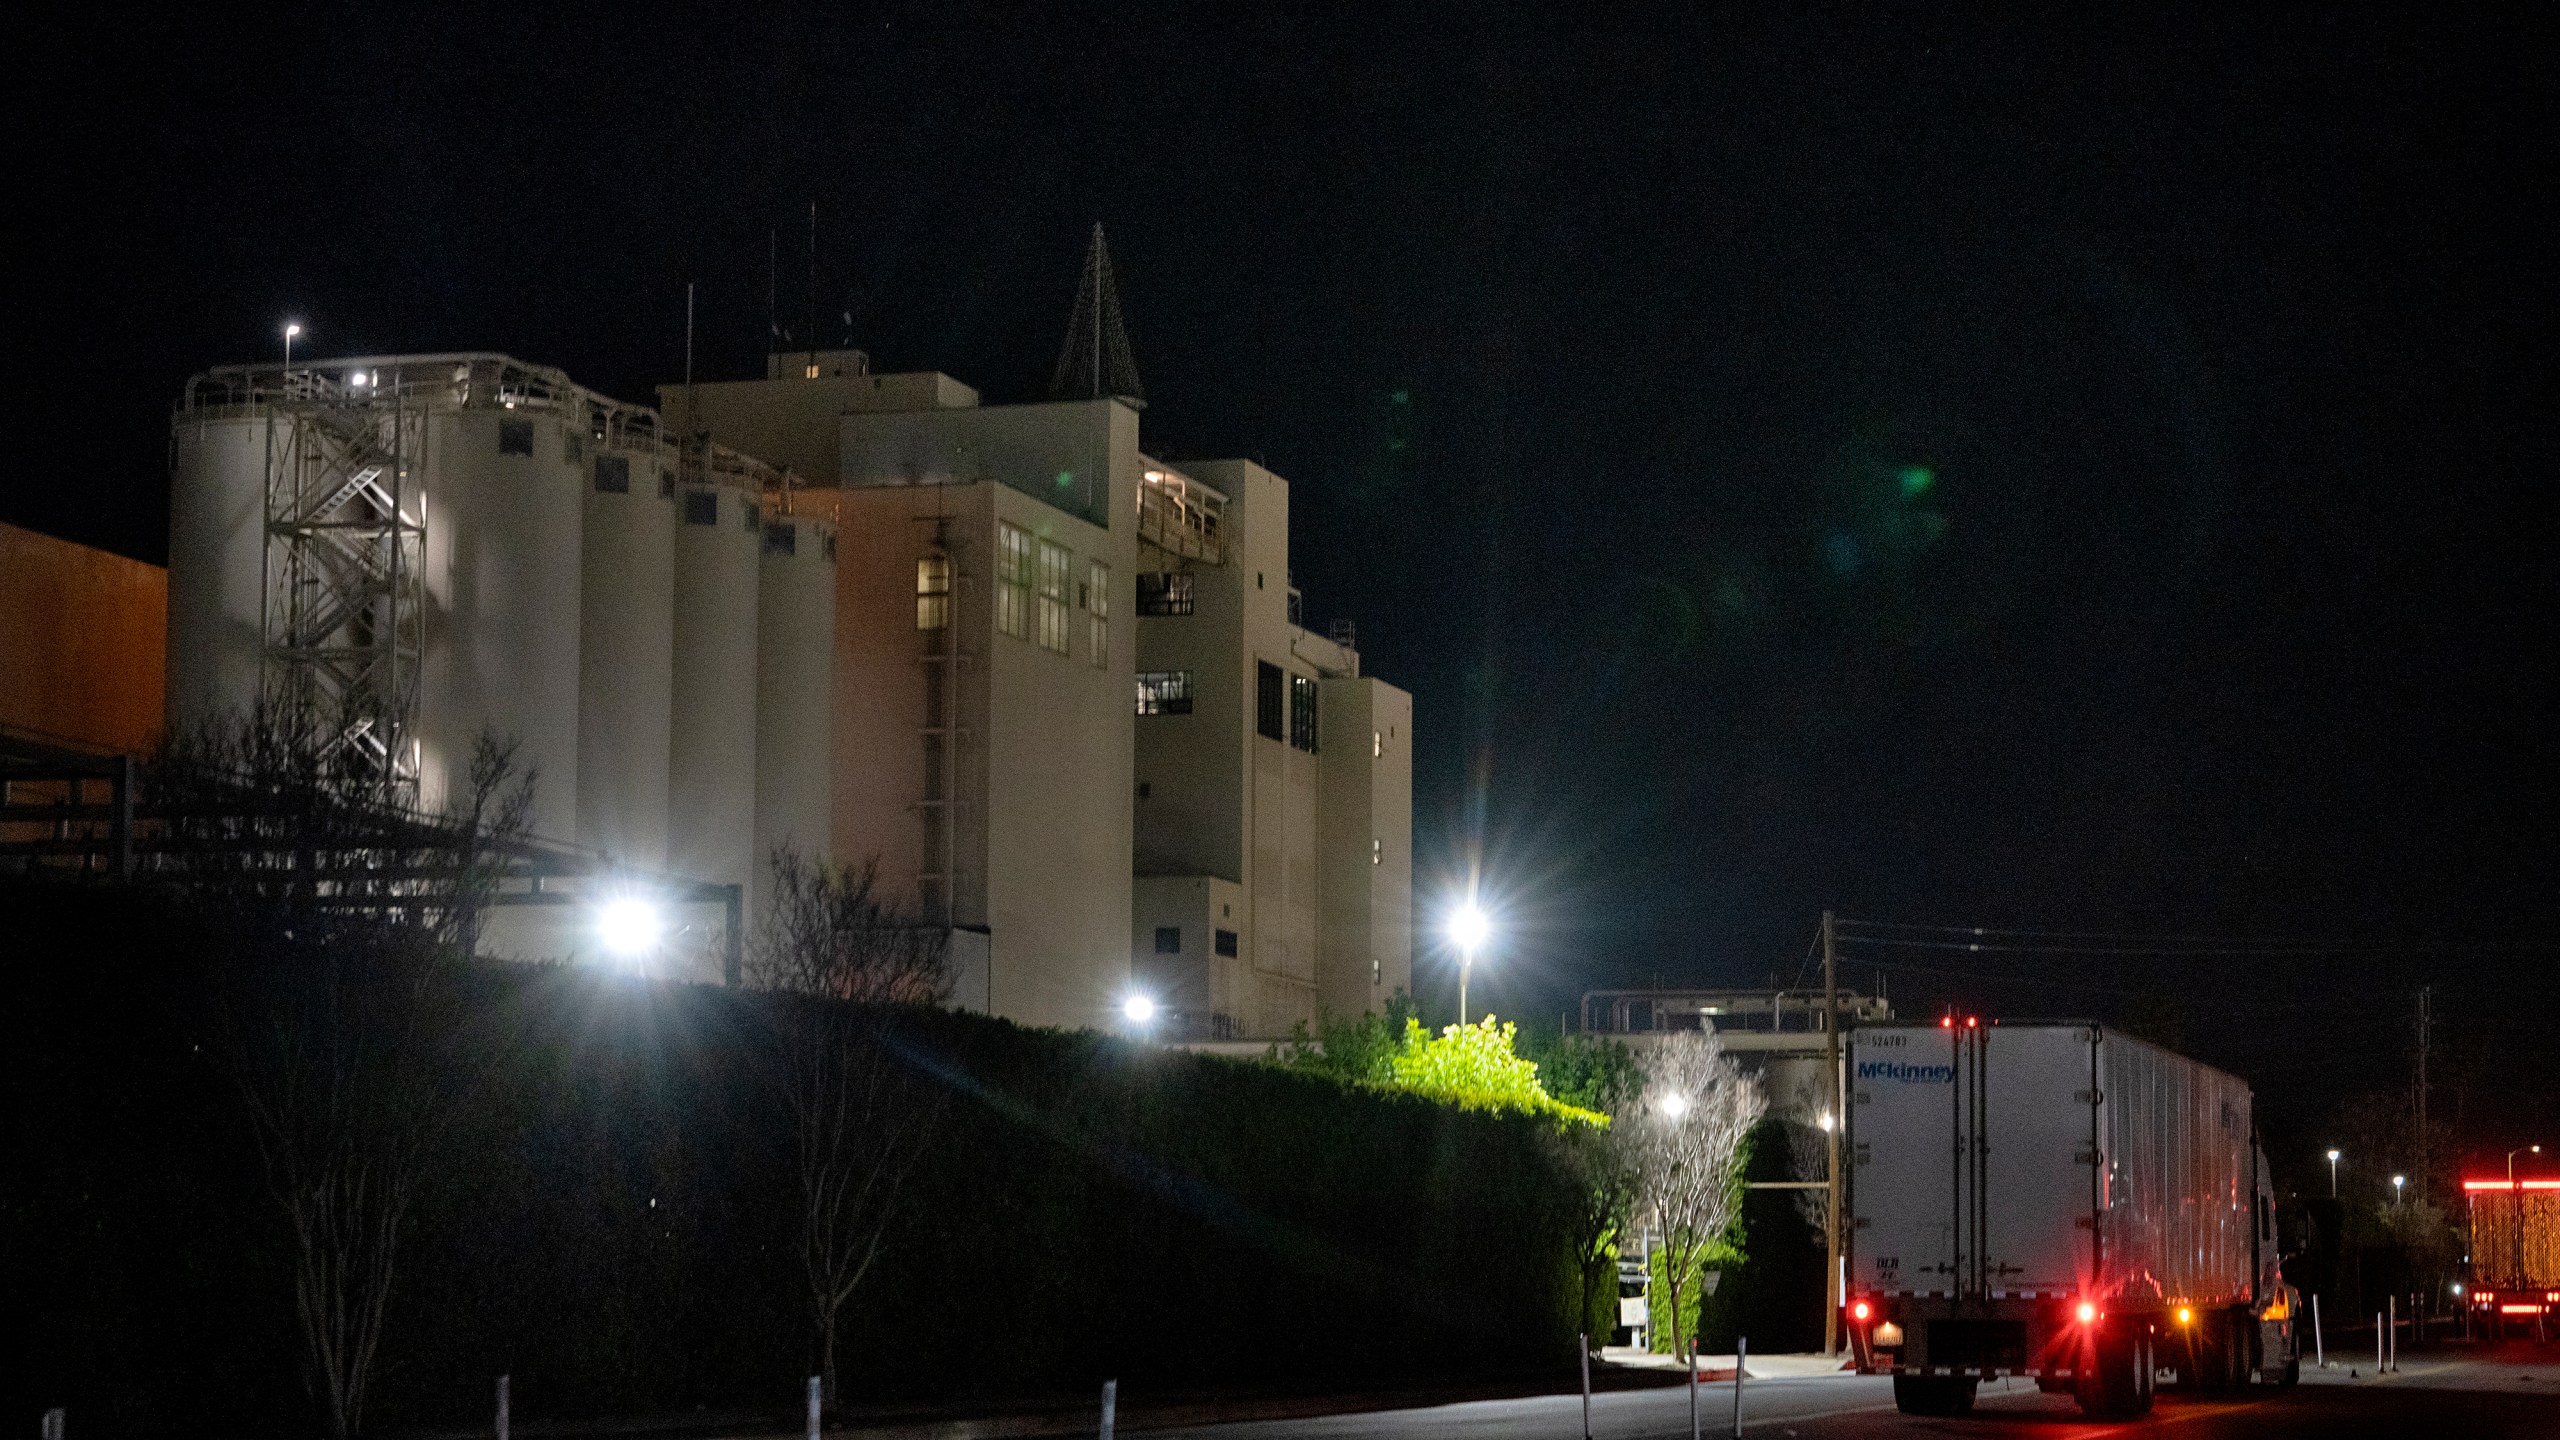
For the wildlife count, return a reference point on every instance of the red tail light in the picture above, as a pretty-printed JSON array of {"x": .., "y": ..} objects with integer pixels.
[
  {"x": 1860, "y": 1310},
  {"x": 2087, "y": 1312}
]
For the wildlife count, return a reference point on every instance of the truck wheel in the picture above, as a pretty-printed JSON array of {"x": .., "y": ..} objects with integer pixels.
[{"x": 2119, "y": 1381}]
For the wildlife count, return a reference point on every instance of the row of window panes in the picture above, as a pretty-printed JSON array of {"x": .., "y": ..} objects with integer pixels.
[
  {"x": 1284, "y": 706},
  {"x": 1164, "y": 593},
  {"x": 1169, "y": 940},
  {"x": 1031, "y": 584},
  {"x": 1164, "y": 692}
]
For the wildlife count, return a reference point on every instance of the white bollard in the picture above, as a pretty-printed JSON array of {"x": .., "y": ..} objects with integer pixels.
[
  {"x": 2378, "y": 1333},
  {"x": 1586, "y": 1384},
  {"x": 1110, "y": 1407},
  {"x": 54, "y": 1420},
  {"x": 1693, "y": 1387},
  {"x": 2319, "y": 1346},
  {"x": 502, "y": 1407},
  {"x": 817, "y": 1407},
  {"x": 2394, "y": 1303},
  {"x": 1741, "y": 1352}
]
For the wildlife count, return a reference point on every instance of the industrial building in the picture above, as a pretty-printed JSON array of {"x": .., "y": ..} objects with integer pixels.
[
  {"x": 1055, "y": 690},
  {"x": 401, "y": 554},
  {"x": 1058, "y": 667}
]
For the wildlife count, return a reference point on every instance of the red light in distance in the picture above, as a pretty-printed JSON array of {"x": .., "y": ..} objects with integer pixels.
[
  {"x": 1946, "y": 1022},
  {"x": 2087, "y": 1312},
  {"x": 1860, "y": 1310},
  {"x": 1971, "y": 1021}
]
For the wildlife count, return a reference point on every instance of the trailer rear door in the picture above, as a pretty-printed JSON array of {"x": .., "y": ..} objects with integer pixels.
[
  {"x": 1903, "y": 1139},
  {"x": 2037, "y": 1162}
]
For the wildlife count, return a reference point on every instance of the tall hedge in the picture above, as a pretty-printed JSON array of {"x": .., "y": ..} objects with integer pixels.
[{"x": 612, "y": 1218}]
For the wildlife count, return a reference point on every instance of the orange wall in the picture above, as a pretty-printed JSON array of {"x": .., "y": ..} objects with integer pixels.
[{"x": 84, "y": 637}]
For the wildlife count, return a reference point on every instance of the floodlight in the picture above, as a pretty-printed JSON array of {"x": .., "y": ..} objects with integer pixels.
[
  {"x": 1673, "y": 1105},
  {"x": 628, "y": 926},
  {"x": 1139, "y": 1009}
]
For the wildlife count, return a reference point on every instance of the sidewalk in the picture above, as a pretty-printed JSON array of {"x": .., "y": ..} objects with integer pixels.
[{"x": 1720, "y": 1367}]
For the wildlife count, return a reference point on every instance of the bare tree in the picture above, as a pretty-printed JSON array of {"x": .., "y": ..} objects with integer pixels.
[
  {"x": 335, "y": 1016},
  {"x": 862, "y": 1113},
  {"x": 1606, "y": 1162},
  {"x": 1687, "y": 1136}
]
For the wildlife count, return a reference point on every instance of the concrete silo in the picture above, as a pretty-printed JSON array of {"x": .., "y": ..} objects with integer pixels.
[
  {"x": 626, "y": 637},
  {"x": 217, "y": 557},
  {"x": 795, "y": 682},
  {"x": 395, "y": 542},
  {"x": 711, "y": 789}
]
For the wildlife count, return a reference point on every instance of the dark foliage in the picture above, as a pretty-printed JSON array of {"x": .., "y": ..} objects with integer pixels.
[{"x": 612, "y": 1216}]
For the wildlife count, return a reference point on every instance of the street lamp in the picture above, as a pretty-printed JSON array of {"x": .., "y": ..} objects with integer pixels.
[
  {"x": 1139, "y": 1009},
  {"x": 2511, "y": 1162},
  {"x": 290, "y": 331},
  {"x": 1468, "y": 930},
  {"x": 2333, "y": 1174},
  {"x": 2396, "y": 1182}
]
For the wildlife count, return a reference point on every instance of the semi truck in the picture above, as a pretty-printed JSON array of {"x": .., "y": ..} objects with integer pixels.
[
  {"x": 2515, "y": 1253},
  {"x": 2058, "y": 1201}
]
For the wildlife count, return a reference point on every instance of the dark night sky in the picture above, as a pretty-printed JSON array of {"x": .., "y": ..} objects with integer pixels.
[{"x": 2081, "y": 479}]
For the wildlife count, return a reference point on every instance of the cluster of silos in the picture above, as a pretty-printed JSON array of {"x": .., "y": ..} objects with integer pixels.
[{"x": 649, "y": 623}]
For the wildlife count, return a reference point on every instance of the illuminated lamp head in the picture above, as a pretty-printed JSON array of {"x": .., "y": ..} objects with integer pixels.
[{"x": 629, "y": 927}]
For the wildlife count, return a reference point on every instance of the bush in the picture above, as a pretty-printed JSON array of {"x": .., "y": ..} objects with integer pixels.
[{"x": 611, "y": 1218}]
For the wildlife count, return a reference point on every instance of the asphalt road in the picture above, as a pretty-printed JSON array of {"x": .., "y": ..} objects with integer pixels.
[{"x": 2513, "y": 1390}]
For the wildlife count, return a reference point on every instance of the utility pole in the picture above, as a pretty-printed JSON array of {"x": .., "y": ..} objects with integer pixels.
[
  {"x": 1831, "y": 1137},
  {"x": 2424, "y": 996}
]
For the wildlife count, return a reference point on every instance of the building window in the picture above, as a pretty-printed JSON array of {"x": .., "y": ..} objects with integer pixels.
[
  {"x": 1164, "y": 593},
  {"x": 1377, "y": 744},
  {"x": 613, "y": 474},
  {"x": 702, "y": 507},
  {"x": 1270, "y": 702},
  {"x": 781, "y": 538},
  {"x": 933, "y": 592},
  {"x": 1054, "y": 563},
  {"x": 515, "y": 437},
  {"x": 1097, "y": 604},
  {"x": 1302, "y": 712},
  {"x": 1013, "y": 580},
  {"x": 1226, "y": 942},
  {"x": 1168, "y": 939},
  {"x": 1164, "y": 692},
  {"x": 666, "y": 484}
]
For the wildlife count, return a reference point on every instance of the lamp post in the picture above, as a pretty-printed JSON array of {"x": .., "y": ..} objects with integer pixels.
[
  {"x": 2511, "y": 1162},
  {"x": 2333, "y": 1174},
  {"x": 2396, "y": 1182},
  {"x": 289, "y": 332},
  {"x": 1468, "y": 930}
]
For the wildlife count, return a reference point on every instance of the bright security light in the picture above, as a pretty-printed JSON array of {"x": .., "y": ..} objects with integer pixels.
[
  {"x": 292, "y": 330},
  {"x": 1468, "y": 927},
  {"x": 628, "y": 927},
  {"x": 1673, "y": 1105},
  {"x": 1139, "y": 1009},
  {"x": 2333, "y": 1156},
  {"x": 1826, "y": 1122}
]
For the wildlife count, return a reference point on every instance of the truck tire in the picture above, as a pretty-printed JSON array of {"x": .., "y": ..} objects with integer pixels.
[
  {"x": 2119, "y": 1385},
  {"x": 1934, "y": 1394}
]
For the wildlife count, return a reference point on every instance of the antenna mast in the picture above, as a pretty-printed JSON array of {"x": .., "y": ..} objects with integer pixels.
[{"x": 1095, "y": 359}]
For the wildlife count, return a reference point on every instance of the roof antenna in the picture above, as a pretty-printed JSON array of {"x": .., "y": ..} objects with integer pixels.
[{"x": 1095, "y": 359}]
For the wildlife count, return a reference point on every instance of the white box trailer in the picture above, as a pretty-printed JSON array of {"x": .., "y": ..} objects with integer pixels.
[{"x": 2059, "y": 1201}]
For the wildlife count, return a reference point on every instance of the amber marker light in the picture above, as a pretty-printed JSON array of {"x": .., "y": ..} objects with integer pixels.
[{"x": 2186, "y": 1316}]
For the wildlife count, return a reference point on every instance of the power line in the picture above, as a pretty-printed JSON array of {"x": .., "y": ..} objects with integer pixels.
[{"x": 2147, "y": 943}]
